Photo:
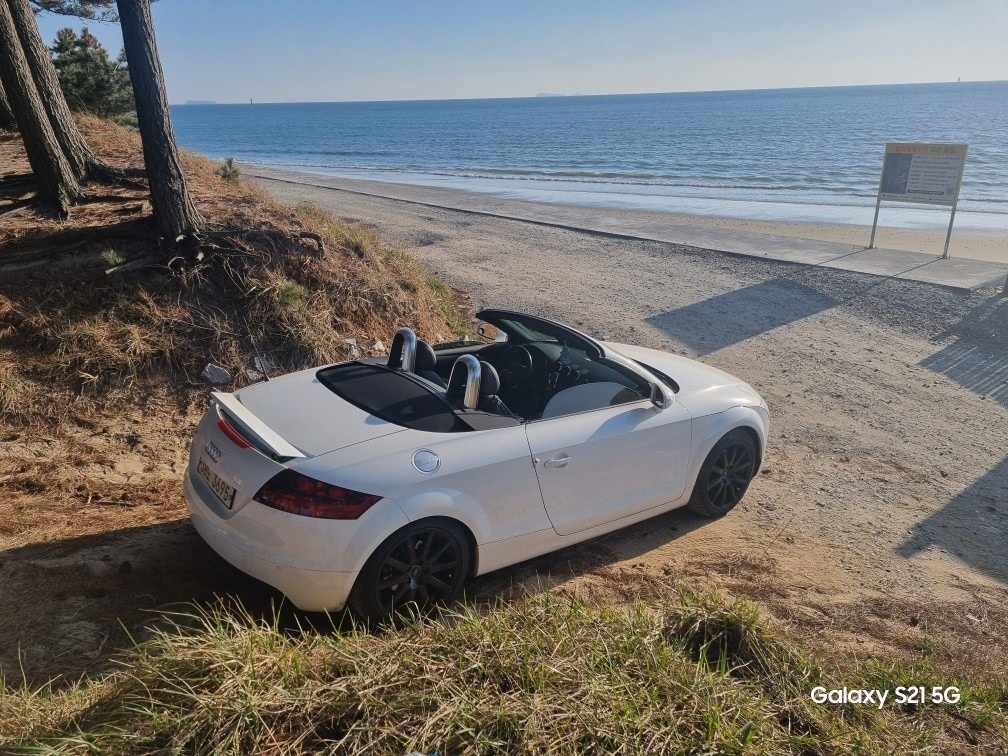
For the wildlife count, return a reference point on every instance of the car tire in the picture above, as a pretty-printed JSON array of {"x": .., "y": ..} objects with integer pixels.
[
  {"x": 420, "y": 566},
  {"x": 725, "y": 475}
]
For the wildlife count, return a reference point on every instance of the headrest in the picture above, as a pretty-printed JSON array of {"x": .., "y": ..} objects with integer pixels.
[
  {"x": 489, "y": 380},
  {"x": 425, "y": 358}
]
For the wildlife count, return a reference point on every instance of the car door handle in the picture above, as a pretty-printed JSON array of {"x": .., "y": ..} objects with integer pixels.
[{"x": 558, "y": 462}]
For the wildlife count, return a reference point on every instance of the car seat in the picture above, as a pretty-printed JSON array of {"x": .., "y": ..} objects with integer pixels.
[
  {"x": 489, "y": 386},
  {"x": 425, "y": 362}
]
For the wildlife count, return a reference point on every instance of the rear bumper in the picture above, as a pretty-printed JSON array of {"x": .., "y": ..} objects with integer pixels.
[{"x": 308, "y": 589}]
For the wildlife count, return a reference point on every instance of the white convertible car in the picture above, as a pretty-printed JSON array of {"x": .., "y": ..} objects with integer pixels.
[{"x": 386, "y": 483}]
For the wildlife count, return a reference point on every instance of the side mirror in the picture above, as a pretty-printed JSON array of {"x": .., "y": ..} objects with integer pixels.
[
  {"x": 658, "y": 397},
  {"x": 487, "y": 331}
]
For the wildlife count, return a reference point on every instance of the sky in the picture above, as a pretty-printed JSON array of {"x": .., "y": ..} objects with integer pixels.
[{"x": 348, "y": 50}]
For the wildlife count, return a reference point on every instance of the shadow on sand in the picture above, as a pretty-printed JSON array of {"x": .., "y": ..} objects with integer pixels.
[
  {"x": 975, "y": 367},
  {"x": 555, "y": 569},
  {"x": 978, "y": 359},
  {"x": 72, "y": 606},
  {"x": 738, "y": 315},
  {"x": 973, "y": 526}
]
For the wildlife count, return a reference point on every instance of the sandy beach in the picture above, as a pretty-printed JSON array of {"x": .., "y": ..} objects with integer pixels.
[
  {"x": 966, "y": 243},
  {"x": 886, "y": 466}
]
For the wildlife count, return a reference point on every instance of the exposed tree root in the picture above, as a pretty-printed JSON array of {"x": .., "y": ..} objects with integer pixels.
[
  {"x": 199, "y": 247},
  {"x": 104, "y": 173}
]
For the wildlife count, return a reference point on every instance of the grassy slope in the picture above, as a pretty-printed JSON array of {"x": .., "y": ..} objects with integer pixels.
[
  {"x": 79, "y": 348},
  {"x": 100, "y": 394},
  {"x": 94, "y": 333},
  {"x": 542, "y": 674},
  {"x": 97, "y": 369}
]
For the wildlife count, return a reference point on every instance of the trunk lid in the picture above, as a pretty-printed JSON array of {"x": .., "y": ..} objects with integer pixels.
[{"x": 305, "y": 414}]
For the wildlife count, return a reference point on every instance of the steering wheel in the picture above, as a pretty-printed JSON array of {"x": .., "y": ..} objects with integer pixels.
[{"x": 515, "y": 366}]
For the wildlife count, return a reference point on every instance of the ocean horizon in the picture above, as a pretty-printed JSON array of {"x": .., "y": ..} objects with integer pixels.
[
  {"x": 540, "y": 95},
  {"x": 807, "y": 154}
]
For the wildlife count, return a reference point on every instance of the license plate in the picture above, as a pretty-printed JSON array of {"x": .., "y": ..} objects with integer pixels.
[{"x": 221, "y": 490}]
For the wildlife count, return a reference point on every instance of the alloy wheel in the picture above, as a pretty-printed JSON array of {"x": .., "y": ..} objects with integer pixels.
[
  {"x": 730, "y": 475},
  {"x": 424, "y": 567}
]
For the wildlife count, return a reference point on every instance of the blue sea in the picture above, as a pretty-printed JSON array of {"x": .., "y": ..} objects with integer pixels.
[{"x": 776, "y": 154}]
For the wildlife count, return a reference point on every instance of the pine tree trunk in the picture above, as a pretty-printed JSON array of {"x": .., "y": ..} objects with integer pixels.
[
  {"x": 6, "y": 115},
  {"x": 57, "y": 183},
  {"x": 76, "y": 149},
  {"x": 174, "y": 213}
]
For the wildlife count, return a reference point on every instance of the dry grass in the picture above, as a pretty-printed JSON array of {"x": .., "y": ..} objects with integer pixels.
[
  {"x": 21, "y": 399},
  {"x": 73, "y": 486},
  {"x": 541, "y": 675},
  {"x": 68, "y": 327}
]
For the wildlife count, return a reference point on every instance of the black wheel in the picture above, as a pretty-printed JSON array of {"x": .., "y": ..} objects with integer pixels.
[
  {"x": 725, "y": 475},
  {"x": 417, "y": 567}
]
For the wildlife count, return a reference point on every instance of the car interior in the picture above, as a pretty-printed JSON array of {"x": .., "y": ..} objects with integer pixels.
[
  {"x": 547, "y": 379},
  {"x": 527, "y": 371}
]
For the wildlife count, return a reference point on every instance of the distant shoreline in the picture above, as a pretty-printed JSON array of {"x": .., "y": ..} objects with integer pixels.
[
  {"x": 596, "y": 94},
  {"x": 966, "y": 243}
]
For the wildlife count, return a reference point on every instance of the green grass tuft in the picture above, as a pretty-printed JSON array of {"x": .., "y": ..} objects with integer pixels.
[{"x": 229, "y": 171}]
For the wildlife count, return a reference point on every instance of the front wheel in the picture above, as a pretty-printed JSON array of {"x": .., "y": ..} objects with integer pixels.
[
  {"x": 417, "y": 567},
  {"x": 725, "y": 475}
]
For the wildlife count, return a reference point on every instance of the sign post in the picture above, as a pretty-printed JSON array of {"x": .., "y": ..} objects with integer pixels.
[{"x": 929, "y": 174}]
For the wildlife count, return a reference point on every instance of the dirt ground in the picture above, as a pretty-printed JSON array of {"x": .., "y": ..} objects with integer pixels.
[
  {"x": 877, "y": 524},
  {"x": 881, "y": 512}
]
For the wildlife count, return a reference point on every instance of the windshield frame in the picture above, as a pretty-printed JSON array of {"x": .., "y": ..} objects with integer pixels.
[{"x": 528, "y": 328}]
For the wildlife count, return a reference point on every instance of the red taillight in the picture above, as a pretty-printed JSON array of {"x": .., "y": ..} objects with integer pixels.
[
  {"x": 298, "y": 494},
  {"x": 231, "y": 433}
]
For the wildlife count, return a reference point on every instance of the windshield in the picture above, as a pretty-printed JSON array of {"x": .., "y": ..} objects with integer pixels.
[{"x": 523, "y": 330}]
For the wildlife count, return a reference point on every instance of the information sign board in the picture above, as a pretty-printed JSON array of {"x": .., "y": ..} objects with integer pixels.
[
  {"x": 920, "y": 172},
  {"x": 930, "y": 173}
]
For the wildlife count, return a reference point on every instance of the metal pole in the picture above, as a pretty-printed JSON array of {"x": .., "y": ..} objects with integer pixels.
[
  {"x": 955, "y": 201},
  {"x": 871, "y": 243},
  {"x": 878, "y": 199},
  {"x": 948, "y": 236}
]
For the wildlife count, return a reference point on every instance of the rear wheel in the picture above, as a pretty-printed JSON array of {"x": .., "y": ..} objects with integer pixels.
[
  {"x": 417, "y": 567},
  {"x": 725, "y": 475}
]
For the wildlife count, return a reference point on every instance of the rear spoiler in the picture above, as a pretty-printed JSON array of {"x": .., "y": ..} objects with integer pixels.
[{"x": 250, "y": 425}]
